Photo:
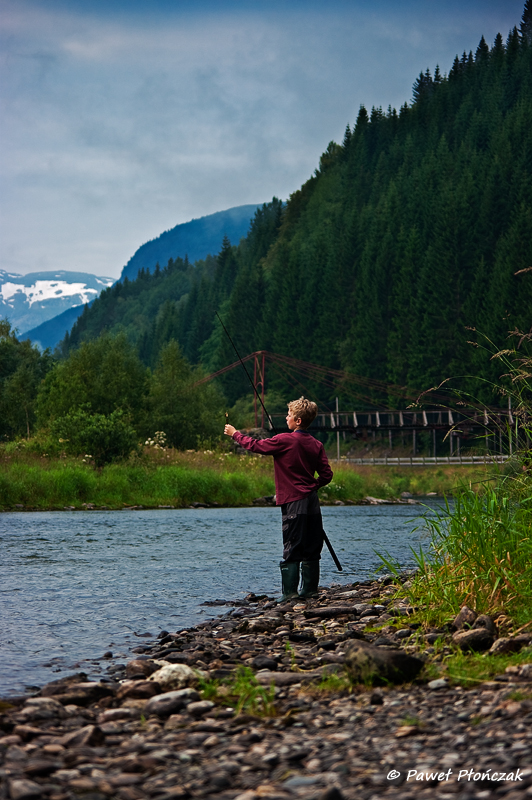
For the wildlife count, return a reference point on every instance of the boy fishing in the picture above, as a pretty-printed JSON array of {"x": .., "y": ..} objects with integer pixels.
[{"x": 297, "y": 456}]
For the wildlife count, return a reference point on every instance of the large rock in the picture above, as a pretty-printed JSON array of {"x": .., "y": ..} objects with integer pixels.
[
  {"x": 476, "y": 640},
  {"x": 141, "y": 667},
  {"x": 176, "y": 676},
  {"x": 89, "y": 736},
  {"x": 138, "y": 690},
  {"x": 484, "y": 621},
  {"x": 505, "y": 645},
  {"x": 366, "y": 663},
  {"x": 168, "y": 703},
  {"x": 78, "y": 694},
  {"x": 41, "y": 708},
  {"x": 266, "y": 678},
  {"x": 66, "y": 680},
  {"x": 264, "y": 662},
  {"x": 260, "y": 625},
  {"x": 199, "y": 707},
  {"x": 465, "y": 618}
]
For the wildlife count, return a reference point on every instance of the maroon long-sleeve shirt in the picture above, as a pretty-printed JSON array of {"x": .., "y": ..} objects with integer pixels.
[{"x": 297, "y": 456}]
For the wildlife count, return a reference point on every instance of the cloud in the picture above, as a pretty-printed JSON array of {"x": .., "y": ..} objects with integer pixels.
[{"x": 122, "y": 120}]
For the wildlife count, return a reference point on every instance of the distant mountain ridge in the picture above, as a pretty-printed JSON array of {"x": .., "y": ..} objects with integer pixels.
[
  {"x": 50, "y": 333},
  {"x": 29, "y": 300},
  {"x": 194, "y": 239}
]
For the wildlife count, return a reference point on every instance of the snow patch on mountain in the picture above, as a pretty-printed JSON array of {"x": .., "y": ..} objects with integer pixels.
[
  {"x": 47, "y": 290},
  {"x": 29, "y": 300}
]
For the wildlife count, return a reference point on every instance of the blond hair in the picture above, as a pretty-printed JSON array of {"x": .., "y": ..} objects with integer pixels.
[{"x": 303, "y": 409}]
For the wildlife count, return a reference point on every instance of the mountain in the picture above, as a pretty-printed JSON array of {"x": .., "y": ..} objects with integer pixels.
[
  {"x": 29, "y": 300},
  {"x": 194, "y": 239},
  {"x": 50, "y": 333},
  {"x": 188, "y": 242},
  {"x": 145, "y": 308}
]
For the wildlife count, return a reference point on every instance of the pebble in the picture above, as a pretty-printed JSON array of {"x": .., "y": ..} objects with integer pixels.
[
  {"x": 155, "y": 736},
  {"x": 24, "y": 790},
  {"x": 438, "y": 683}
]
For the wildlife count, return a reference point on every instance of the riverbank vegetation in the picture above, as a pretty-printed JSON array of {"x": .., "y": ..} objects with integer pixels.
[
  {"x": 481, "y": 550},
  {"x": 163, "y": 476}
]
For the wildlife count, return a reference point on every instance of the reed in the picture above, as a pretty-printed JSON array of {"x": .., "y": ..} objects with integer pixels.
[{"x": 480, "y": 555}]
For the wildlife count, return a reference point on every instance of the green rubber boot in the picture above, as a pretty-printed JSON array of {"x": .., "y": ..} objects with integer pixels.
[
  {"x": 310, "y": 576},
  {"x": 290, "y": 580}
]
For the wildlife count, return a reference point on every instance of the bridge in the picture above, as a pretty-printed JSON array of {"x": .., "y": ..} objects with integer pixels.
[
  {"x": 494, "y": 430},
  {"x": 489, "y": 429}
]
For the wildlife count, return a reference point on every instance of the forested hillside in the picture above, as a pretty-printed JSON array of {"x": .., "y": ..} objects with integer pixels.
[{"x": 416, "y": 227}]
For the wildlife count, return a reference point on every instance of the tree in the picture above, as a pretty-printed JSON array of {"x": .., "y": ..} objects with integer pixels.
[
  {"x": 104, "y": 375},
  {"x": 423, "y": 87},
  {"x": 483, "y": 51},
  {"x": 22, "y": 368},
  {"x": 176, "y": 405},
  {"x": 525, "y": 28}
]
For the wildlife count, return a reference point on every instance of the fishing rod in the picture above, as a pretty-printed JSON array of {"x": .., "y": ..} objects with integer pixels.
[
  {"x": 274, "y": 429},
  {"x": 325, "y": 537}
]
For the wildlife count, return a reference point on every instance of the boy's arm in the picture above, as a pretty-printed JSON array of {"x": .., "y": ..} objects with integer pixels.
[
  {"x": 266, "y": 447},
  {"x": 325, "y": 473}
]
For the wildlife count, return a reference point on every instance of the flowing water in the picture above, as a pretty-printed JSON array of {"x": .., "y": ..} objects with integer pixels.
[{"x": 74, "y": 585}]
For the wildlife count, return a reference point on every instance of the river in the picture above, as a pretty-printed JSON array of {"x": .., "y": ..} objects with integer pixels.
[{"x": 74, "y": 585}]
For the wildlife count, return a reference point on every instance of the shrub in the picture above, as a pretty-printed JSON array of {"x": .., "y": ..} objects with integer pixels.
[{"x": 104, "y": 438}]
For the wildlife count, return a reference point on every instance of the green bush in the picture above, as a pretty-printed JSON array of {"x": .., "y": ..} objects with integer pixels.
[{"x": 103, "y": 438}]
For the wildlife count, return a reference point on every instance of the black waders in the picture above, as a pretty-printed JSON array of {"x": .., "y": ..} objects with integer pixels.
[
  {"x": 290, "y": 580},
  {"x": 310, "y": 576}
]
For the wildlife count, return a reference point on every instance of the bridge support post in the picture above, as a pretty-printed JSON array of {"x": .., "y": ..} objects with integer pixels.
[
  {"x": 337, "y": 432},
  {"x": 258, "y": 380}
]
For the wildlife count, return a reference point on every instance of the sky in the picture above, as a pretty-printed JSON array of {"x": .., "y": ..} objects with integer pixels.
[{"x": 123, "y": 118}]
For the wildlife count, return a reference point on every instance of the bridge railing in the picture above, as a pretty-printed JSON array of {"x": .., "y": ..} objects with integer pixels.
[
  {"x": 423, "y": 461},
  {"x": 386, "y": 419}
]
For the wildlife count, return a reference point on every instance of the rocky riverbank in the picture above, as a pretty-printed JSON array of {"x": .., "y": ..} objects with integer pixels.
[{"x": 304, "y": 700}]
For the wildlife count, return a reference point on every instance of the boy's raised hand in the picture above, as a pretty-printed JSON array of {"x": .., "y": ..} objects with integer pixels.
[{"x": 229, "y": 430}]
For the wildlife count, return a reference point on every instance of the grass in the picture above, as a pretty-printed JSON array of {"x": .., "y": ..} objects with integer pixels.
[
  {"x": 47, "y": 484},
  {"x": 244, "y": 693},
  {"x": 409, "y": 721},
  {"x": 354, "y": 482},
  {"x": 481, "y": 553},
  {"x": 335, "y": 683},
  {"x": 162, "y": 476},
  {"x": 480, "y": 556},
  {"x": 471, "y": 669}
]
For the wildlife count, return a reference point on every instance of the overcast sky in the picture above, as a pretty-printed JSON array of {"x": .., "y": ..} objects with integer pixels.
[{"x": 123, "y": 119}]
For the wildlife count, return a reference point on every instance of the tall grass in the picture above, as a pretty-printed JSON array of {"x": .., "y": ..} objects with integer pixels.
[
  {"x": 480, "y": 556},
  {"x": 481, "y": 549}
]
